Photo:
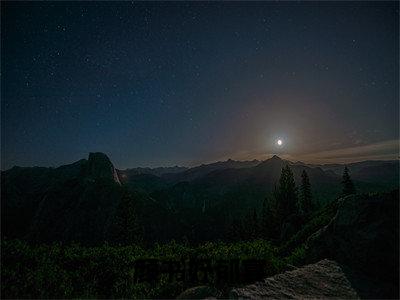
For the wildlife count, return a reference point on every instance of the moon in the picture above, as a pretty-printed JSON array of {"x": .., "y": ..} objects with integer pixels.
[{"x": 279, "y": 142}]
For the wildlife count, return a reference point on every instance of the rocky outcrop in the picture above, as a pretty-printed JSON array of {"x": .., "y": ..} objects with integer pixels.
[
  {"x": 100, "y": 166},
  {"x": 363, "y": 235},
  {"x": 362, "y": 244},
  {"x": 322, "y": 280}
]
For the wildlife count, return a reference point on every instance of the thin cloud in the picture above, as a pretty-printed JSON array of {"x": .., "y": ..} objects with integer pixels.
[{"x": 382, "y": 150}]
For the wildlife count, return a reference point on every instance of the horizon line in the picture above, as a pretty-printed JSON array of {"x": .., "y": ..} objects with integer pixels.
[{"x": 270, "y": 156}]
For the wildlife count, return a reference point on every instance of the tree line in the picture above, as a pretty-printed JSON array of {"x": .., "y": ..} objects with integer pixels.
[{"x": 289, "y": 208}]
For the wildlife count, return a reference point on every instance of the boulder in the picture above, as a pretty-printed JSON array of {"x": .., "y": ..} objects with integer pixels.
[{"x": 321, "y": 280}]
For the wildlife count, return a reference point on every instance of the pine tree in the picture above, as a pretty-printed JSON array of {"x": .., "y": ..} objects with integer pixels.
[
  {"x": 305, "y": 194},
  {"x": 255, "y": 226},
  {"x": 286, "y": 195},
  {"x": 126, "y": 228},
  {"x": 250, "y": 225},
  {"x": 348, "y": 186},
  {"x": 267, "y": 220},
  {"x": 264, "y": 218},
  {"x": 236, "y": 230}
]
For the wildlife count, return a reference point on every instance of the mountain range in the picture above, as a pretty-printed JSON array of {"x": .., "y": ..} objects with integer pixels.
[{"x": 80, "y": 201}]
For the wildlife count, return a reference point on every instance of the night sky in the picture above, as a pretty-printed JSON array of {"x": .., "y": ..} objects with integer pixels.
[{"x": 164, "y": 83}]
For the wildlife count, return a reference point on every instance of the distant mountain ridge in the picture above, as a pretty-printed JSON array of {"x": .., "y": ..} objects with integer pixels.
[
  {"x": 378, "y": 171},
  {"x": 99, "y": 165},
  {"x": 78, "y": 201},
  {"x": 158, "y": 171},
  {"x": 235, "y": 190},
  {"x": 204, "y": 169},
  {"x": 177, "y": 173}
]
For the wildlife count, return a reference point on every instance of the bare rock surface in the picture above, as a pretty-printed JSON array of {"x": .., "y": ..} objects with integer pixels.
[{"x": 321, "y": 280}]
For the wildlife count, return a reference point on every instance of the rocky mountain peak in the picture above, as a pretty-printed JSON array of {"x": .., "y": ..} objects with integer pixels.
[
  {"x": 273, "y": 161},
  {"x": 275, "y": 157},
  {"x": 100, "y": 166}
]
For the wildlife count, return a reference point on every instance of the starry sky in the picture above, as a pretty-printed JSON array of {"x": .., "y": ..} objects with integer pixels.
[{"x": 168, "y": 83}]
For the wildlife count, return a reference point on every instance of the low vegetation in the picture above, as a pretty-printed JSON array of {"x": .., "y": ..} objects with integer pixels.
[{"x": 74, "y": 271}]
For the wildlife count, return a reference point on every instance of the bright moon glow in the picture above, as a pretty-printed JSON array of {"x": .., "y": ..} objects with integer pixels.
[{"x": 279, "y": 142}]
